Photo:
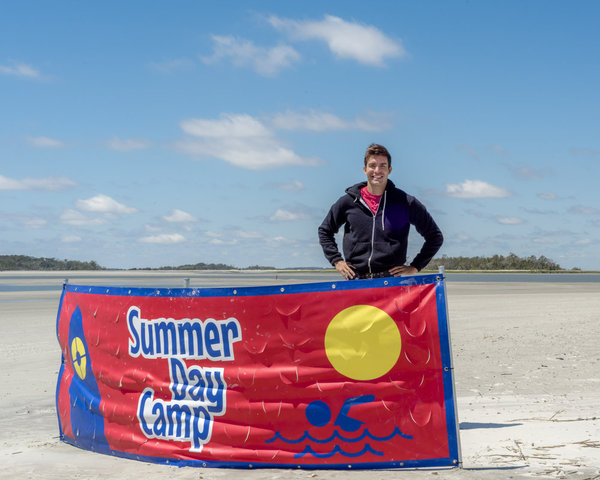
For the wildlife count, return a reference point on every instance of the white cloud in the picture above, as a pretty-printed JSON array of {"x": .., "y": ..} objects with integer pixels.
[
  {"x": 583, "y": 210},
  {"x": 348, "y": 40},
  {"x": 45, "y": 142},
  {"x": 547, "y": 196},
  {"x": 279, "y": 240},
  {"x": 537, "y": 211},
  {"x": 228, "y": 125},
  {"x": 35, "y": 222},
  {"x": 240, "y": 140},
  {"x": 499, "y": 149},
  {"x": 477, "y": 213},
  {"x": 233, "y": 235},
  {"x": 586, "y": 152},
  {"x": 475, "y": 189},
  {"x": 545, "y": 241},
  {"x": 316, "y": 121},
  {"x": 76, "y": 218},
  {"x": 127, "y": 144},
  {"x": 469, "y": 150},
  {"x": 164, "y": 239},
  {"x": 19, "y": 70},
  {"x": 245, "y": 234},
  {"x": 179, "y": 216},
  {"x": 323, "y": 121},
  {"x": 510, "y": 220},
  {"x": 528, "y": 173},
  {"x": 70, "y": 239},
  {"x": 371, "y": 121},
  {"x": 281, "y": 215},
  {"x": 294, "y": 186},
  {"x": 103, "y": 204},
  {"x": 266, "y": 61},
  {"x": 216, "y": 238},
  {"x": 47, "y": 183},
  {"x": 253, "y": 154}
]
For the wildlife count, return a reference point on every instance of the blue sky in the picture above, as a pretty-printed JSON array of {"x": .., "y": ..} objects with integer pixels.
[{"x": 156, "y": 133}]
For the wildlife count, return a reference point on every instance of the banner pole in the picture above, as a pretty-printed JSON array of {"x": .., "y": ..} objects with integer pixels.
[{"x": 442, "y": 272}]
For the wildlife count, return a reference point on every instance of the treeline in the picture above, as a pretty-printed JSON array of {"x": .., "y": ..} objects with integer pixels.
[
  {"x": 195, "y": 266},
  {"x": 496, "y": 262},
  {"x": 208, "y": 266},
  {"x": 23, "y": 262}
]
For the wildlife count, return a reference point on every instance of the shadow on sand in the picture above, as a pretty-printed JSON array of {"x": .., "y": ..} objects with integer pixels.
[{"x": 474, "y": 425}]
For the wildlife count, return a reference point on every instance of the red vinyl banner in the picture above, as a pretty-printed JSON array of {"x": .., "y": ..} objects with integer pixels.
[{"x": 355, "y": 374}]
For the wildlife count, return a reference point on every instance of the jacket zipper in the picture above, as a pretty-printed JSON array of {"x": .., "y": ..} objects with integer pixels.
[{"x": 373, "y": 227}]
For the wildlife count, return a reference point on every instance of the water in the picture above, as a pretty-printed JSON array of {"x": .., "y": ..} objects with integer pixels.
[
  {"x": 53, "y": 282},
  {"x": 525, "y": 277}
]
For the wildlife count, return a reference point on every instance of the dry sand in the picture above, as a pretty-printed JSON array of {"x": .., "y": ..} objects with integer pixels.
[{"x": 527, "y": 378}]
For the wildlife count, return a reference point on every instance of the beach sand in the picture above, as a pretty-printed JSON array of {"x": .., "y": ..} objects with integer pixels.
[{"x": 527, "y": 378}]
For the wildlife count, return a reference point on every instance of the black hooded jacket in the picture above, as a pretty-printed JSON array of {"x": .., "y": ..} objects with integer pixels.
[{"x": 375, "y": 243}]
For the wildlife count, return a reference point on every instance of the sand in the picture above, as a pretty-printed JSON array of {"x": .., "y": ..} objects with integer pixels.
[{"x": 527, "y": 374}]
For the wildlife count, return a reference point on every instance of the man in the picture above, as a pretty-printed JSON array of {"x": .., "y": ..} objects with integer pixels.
[{"x": 377, "y": 217}]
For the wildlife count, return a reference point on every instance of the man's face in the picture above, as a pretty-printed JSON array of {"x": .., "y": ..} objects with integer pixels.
[{"x": 377, "y": 170}]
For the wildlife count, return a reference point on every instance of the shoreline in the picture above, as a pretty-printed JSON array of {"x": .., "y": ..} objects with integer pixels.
[{"x": 137, "y": 271}]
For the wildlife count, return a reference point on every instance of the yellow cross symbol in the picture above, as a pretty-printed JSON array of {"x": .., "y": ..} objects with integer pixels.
[{"x": 79, "y": 357}]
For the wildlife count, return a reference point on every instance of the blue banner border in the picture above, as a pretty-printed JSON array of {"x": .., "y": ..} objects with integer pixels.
[{"x": 342, "y": 285}]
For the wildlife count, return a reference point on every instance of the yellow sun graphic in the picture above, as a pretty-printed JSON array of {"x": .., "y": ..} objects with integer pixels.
[{"x": 362, "y": 342}]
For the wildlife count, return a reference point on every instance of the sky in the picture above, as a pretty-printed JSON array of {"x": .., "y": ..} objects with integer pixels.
[{"x": 147, "y": 134}]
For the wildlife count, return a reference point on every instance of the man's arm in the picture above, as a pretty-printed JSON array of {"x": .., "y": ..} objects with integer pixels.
[
  {"x": 428, "y": 229},
  {"x": 401, "y": 270},
  {"x": 327, "y": 232}
]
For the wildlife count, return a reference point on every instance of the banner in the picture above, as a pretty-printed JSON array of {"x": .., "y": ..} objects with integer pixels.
[{"x": 353, "y": 374}]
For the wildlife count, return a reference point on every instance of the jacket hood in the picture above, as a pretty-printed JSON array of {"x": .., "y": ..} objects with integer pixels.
[{"x": 354, "y": 190}]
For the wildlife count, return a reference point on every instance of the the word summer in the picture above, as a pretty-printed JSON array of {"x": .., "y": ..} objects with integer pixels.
[{"x": 186, "y": 338}]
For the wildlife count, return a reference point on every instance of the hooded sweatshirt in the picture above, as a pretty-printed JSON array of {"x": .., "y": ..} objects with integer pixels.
[{"x": 374, "y": 243}]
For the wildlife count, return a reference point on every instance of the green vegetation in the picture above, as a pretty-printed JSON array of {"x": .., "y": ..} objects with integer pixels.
[
  {"x": 208, "y": 266},
  {"x": 496, "y": 262},
  {"x": 23, "y": 262},
  {"x": 195, "y": 266}
]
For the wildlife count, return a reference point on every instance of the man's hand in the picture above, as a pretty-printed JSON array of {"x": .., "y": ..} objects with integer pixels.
[
  {"x": 403, "y": 270},
  {"x": 345, "y": 269}
]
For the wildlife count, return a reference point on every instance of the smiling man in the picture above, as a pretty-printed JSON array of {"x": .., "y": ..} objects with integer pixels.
[{"x": 377, "y": 217}]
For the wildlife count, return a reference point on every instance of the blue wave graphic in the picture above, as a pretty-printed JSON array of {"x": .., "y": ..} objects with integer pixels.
[
  {"x": 336, "y": 434},
  {"x": 337, "y": 449}
]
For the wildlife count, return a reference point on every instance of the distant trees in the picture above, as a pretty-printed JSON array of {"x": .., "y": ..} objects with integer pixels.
[
  {"x": 23, "y": 262},
  {"x": 495, "y": 262},
  {"x": 195, "y": 266}
]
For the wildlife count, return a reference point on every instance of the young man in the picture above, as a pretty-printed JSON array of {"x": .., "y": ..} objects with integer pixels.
[{"x": 377, "y": 217}]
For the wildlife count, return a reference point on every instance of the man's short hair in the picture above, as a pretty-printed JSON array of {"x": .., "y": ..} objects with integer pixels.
[{"x": 375, "y": 149}]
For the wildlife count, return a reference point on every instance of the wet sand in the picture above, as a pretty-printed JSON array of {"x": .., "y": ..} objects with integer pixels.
[{"x": 527, "y": 374}]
